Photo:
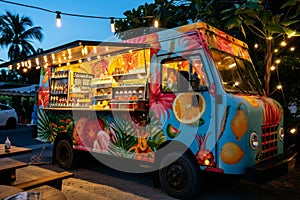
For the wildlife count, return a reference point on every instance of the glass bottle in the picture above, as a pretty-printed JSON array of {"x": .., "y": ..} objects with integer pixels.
[{"x": 7, "y": 144}]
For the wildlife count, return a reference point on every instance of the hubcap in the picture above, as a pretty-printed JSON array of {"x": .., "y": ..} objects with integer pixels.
[
  {"x": 64, "y": 154},
  {"x": 177, "y": 176}
]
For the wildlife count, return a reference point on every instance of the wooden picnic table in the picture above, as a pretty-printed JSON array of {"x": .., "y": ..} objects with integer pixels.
[
  {"x": 8, "y": 168},
  {"x": 13, "y": 151},
  {"x": 46, "y": 192}
]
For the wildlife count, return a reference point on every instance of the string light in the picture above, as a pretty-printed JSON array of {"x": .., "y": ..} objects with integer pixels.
[
  {"x": 156, "y": 23},
  {"x": 279, "y": 87},
  {"x": 292, "y": 49},
  {"x": 277, "y": 61},
  {"x": 272, "y": 68},
  {"x": 59, "y": 14},
  {"x": 283, "y": 43},
  {"x": 293, "y": 131},
  {"x": 112, "y": 25},
  {"x": 58, "y": 19},
  {"x": 276, "y": 50},
  {"x": 255, "y": 45}
]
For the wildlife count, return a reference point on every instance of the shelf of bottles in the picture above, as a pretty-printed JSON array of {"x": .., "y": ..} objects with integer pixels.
[
  {"x": 59, "y": 88},
  {"x": 70, "y": 89}
]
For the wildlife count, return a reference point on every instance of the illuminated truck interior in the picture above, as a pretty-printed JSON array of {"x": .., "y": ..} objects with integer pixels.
[{"x": 237, "y": 75}]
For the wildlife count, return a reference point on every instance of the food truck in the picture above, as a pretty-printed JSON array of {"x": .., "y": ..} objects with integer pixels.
[{"x": 179, "y": 102}]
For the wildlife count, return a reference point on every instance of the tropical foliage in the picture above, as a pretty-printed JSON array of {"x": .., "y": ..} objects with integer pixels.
[
  {"x": 136, "y": 141},
  {"x": 253, "y": 16},
  {"x": 17, "y": 34}
]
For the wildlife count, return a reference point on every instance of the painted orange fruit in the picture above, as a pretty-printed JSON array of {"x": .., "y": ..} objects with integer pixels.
[
  {"x": 231, "y": 153},
  {"x": 252, "y": 101},
  {"x": 189, "y": 107},
  {"x": 239, "y": 124}
]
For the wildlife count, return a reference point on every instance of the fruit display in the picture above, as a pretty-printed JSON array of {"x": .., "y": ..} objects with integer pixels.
[{"x": 129, "y": 90}]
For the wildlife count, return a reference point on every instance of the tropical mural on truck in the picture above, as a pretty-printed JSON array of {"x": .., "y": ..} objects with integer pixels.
[{"x": 220, "y": 145}]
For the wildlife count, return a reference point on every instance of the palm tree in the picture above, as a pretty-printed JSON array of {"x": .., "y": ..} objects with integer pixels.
[{"x": 17, "y": 33}]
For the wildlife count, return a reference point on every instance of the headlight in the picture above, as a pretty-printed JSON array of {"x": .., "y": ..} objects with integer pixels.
[
  {"x": 281, "y": 133},
  {"x": 253, "y": 140}
]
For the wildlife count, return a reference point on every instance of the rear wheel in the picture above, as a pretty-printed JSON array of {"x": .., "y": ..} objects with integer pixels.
[
  {"x": 64, "y": 154},
  {"x": 180, "y": 179}
]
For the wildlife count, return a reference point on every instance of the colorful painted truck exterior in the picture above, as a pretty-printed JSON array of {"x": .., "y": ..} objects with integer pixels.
[{"x": 184, "y": 101}]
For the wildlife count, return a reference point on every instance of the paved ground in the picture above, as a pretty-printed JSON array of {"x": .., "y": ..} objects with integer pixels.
[{"x": 95, "y": 181}]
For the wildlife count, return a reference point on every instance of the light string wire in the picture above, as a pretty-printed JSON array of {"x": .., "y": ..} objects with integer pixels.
[{"x": 62, "y": 13}]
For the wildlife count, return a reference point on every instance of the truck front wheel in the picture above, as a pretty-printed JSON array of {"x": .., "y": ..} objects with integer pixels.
[
  {"x": 180, "y": 179},
  {"x": 64, "y": 154}
]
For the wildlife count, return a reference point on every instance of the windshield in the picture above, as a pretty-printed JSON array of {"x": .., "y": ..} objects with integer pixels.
[{"x": 237, "y": 75}]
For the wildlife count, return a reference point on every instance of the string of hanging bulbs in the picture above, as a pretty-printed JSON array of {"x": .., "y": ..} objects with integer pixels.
[{"x": 59, "y": 14}]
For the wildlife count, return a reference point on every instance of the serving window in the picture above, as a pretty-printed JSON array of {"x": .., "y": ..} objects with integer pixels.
[{"x": 182, "y": 75}]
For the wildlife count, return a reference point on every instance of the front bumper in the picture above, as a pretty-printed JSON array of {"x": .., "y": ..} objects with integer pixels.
[{"x": 272, "y": 168}]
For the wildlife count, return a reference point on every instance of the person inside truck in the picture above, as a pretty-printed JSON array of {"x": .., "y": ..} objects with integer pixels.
[{"x": 172, "y": 81}]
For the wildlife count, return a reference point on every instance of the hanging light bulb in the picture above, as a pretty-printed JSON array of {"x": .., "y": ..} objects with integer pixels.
[
  {"x": 112, "y": 25},
  {"x": 292, "y": 49},
  {"x": 272, "y": 68},
  {"x": 279, "y": 87},
  {"x": 283, "y": 43},
  {"x": 58, "y": 19},
  {"x": 155, "y": 23}
]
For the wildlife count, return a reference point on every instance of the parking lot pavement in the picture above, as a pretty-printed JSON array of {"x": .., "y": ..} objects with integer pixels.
[{"x": 94, "y": 181}]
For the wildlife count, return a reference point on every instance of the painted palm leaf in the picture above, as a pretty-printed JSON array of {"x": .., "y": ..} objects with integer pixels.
[
  {"x": 46, "y": 132},
  {"x": 156, "y": 137},
  {"x": 124, "y": 137}
]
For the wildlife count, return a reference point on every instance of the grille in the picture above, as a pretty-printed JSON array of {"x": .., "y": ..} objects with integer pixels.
[{"x": 269, "y": 139}]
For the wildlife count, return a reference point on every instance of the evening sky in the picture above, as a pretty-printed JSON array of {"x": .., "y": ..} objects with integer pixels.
[{"x": 73, "y": 28}]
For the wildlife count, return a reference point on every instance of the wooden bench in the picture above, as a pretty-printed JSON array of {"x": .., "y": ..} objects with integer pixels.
[
  {"x": 8, "y": 168},
  {"x": 54, "y": 180}
]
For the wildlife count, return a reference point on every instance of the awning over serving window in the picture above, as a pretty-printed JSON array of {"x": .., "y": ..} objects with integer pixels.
[{"x": 20, "y": 91}]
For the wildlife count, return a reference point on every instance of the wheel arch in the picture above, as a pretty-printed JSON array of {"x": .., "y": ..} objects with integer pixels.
[
  {"x": 174, "y": 146},
  {"x": 11, "y": 122}
]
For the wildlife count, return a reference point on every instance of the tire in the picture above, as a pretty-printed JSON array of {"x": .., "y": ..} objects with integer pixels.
[
  {"x": 64, "y": 154},
  {"x": 11, "y": 123},
  {"x": 180, "y": 179}
]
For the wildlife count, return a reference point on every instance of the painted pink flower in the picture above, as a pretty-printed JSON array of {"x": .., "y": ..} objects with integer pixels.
[
  {"x": 160, "y": 102},
  {"x": 191, "y": 42},
  {"x": 147, "y": 39}
]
